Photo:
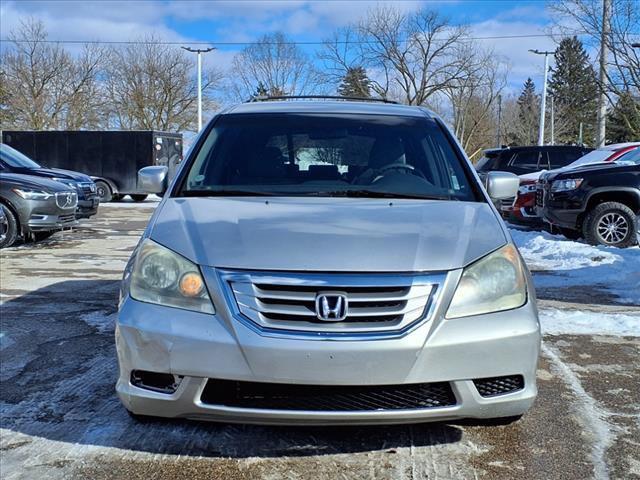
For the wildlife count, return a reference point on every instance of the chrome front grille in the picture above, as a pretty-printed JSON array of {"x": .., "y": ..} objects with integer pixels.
[
  {"x": 507, "y": 202},
  {"x": 67, "y": 200},
  {"x": 375, "y": 303}
]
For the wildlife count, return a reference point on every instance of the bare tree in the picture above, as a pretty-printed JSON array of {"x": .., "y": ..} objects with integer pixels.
[
  {"x": 152, "y": 86},
  {"x": 44, "y": 87},
  {"x": 275, "y": 65},
  {"x": 413, "y": 54},
  {"x": 473, "y": 96}
]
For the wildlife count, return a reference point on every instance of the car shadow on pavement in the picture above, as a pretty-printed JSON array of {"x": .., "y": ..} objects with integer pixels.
[{"x": 58, "y": 370}]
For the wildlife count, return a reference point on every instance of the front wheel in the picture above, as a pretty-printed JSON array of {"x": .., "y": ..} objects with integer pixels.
[
  {"x": 104, "y": 191},
  {"x": 8, "y": 228},
  {"x": 611, "y": 223}
]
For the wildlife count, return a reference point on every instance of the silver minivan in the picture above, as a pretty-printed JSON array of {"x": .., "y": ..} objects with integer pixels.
[{"x": 327, "y": 262}]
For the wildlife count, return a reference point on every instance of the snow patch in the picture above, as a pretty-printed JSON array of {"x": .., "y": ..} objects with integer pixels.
[
  {"x": 102, "y": 320},
  {"x": 557, "y": 262},
  {"x": 555, "y": 322}
]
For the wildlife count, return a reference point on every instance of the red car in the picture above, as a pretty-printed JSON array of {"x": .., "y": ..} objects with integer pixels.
[{"x": 522, "y": 208}]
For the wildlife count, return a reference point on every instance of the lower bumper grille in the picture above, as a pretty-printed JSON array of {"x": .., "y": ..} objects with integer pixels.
[
  {"x": 491, "y": 387},
  {"x": 67, "y": 218},
  {"x": 275, "y": 396}
]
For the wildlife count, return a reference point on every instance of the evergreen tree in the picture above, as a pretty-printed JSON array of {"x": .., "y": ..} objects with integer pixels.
[
  {"x": 355, "y": 83},
  {"x": 528, "y": 110},
  {"x": 574, "y": 88},
  {"x": 624, "y": 119},
  {"x": 273, "y": 91}
]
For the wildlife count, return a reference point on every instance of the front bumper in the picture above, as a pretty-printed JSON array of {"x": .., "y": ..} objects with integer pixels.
[
  {"x": 198, "y": 347},
  {"x": 87, "y": 207}
]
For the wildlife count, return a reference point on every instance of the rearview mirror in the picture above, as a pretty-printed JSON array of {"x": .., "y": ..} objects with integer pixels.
[
  {"x": 501, "y": 185},
  {"x": 153, "y": 179}
]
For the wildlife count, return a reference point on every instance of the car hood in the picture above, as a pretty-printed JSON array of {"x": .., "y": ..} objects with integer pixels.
[
  {"x": 572, "y": 172},
  {"x": 19, "y": 180},
  {"x": 57, "y": 173},
  {"x": 328, "y": 234}
]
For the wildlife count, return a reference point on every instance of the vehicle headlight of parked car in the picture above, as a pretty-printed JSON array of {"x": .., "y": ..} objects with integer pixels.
[
  {"x": 29, "y": 194},
  {"x": 566, "y": 185},
  {"x": 161, "y": 276},
  {"x": 491, "y": 284}
]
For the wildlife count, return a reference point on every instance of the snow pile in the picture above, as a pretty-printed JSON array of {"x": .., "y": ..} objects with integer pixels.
[
  {"x": 557, "y": 262},
  {"x": 554, "y": 322}
]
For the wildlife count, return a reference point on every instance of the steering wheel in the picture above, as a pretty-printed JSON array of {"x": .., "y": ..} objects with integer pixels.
[{"x": 399, "y": 166}]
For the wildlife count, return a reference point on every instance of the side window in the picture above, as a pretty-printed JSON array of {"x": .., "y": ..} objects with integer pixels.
[
  {"x": 561, "y": 158},
  {"x": 527, "y": 160}
]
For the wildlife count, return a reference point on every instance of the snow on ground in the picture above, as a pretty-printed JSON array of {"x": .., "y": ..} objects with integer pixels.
[
  {"x": 558, "y": 262},
  {"x": 556, "y": 322}
]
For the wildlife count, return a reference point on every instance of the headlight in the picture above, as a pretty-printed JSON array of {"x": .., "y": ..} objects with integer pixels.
[
  {"x": 527, "y": 188},
  {"x": 492, "y": 284},
  {"x": 29, "y": 194},
  {"x": 161, "y": 276},
  {"x": 566, "y": 185}
]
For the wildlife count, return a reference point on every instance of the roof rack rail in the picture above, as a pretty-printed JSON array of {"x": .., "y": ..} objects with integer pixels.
[{"x": 267, "y": 98}]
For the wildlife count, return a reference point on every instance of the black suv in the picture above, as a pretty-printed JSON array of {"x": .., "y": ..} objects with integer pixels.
[
  {"x": 521, "y": 160},
  {"x": 600, "y": 201}
]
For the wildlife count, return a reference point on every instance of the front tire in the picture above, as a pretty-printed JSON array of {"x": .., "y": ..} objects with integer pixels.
[
  {"x": 9, "y": 231},
  {"x": 611, "y": 223},
  {"x": 104, "y": 191}
]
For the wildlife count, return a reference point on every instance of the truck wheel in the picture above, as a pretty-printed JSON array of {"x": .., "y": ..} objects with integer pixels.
[
  {"x": 138, "y": 198},
  {"x": 610, "y": 223},
  {"x": 104, "y": 191},
  {"x": 8, "y": 229}
]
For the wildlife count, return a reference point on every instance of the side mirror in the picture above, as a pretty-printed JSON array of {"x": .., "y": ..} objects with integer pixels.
[
  {"x": 501, "y": 185},
  {"x": 153, "y": 179}
]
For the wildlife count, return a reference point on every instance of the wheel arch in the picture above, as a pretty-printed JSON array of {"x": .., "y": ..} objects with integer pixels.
[
  {"x": 14, "y": 210},
  {"x": 108, "y": 181},
  {"x": 627, "y": 195}
]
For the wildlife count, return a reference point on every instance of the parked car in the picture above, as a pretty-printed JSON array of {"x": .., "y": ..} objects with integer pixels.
[
  {"x": 12, "y": 161},
  {"x": 35, "y": 207},
  {"x": 111, "y": 158},
  {"x": 522, "y": 209},
  {"x": 522, "y": 160},
  {"x": 327, "y": 262},
  {"x": 600, "y": 202}
]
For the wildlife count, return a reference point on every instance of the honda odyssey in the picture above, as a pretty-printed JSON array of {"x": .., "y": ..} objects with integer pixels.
[{"x": 327, "y": 262}]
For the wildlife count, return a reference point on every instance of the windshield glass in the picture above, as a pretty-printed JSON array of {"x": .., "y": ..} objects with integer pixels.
[
  {"x": 595, "y": 156},
  {"x": 339, "y": 155},
  {"x": 630, "y": 158},
  {"x": 16, "y": 159}
]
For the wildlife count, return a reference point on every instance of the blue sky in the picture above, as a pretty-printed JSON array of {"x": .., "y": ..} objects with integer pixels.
[{"x": 301, "y": 20}]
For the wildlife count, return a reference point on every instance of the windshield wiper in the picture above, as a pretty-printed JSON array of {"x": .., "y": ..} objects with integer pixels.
[
  {"x": 225, "y": 193},
  {"x": 363, "y": 193}
]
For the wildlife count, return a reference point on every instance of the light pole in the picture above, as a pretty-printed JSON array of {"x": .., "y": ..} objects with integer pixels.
[
  {"x": 199, "y": 51},
  {"x": 544, "y": 93}
]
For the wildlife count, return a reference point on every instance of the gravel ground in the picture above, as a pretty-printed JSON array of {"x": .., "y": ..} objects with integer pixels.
[{"x": 60, "y": 417}]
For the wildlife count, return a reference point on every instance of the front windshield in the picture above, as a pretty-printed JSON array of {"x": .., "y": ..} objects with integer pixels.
[
  {"x": 339, "y": 155},
  {"x": 16, "y": 159}
]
